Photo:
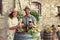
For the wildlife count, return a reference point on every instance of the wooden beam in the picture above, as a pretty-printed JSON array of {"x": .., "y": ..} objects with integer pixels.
[{"x": 14, "y": 3}]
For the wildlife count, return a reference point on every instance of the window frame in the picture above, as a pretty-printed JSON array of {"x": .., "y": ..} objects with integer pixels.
[
  {"x": 39, "y": 7},
  {"x": 58, "y": 7}
]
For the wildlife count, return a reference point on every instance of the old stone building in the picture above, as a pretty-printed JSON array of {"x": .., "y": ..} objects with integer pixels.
[{"x": 47, "y": 9}]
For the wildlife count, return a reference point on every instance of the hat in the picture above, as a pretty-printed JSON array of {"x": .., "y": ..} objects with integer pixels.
[
  {"x": 15, "y": 10},
  {"x": 26, "y": 8}
]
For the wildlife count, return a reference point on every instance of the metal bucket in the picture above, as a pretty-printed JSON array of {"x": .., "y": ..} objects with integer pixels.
[{"x": 25, "y": 36}]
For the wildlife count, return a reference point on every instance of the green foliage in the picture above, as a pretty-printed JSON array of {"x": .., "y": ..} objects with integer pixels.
[
  {"x": 35, "y": 14},
  {"x": 58, "y": 32},
  {"x": 19, "y": 15}
]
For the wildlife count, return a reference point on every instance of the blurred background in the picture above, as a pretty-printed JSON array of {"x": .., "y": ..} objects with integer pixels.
[{"x": 48, "y": 10}]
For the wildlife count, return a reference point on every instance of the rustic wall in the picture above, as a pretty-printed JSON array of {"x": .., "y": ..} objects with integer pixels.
[
  {"x": 7, "y": 5},
  {"x": 48, "y": 13},
  {"x": 3, "y": 28}
]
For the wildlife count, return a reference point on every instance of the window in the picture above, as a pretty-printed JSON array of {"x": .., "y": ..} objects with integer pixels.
[
  {"x": 0, "y": 6},
  {"x": 36, "y": 6},
  {"x": 58, "y": 11}
]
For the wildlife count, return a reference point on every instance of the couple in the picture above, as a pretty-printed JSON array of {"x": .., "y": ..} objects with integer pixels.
[{"x": 13, "y": 23}]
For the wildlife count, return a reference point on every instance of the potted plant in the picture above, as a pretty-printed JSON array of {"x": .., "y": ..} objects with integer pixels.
[{"x": 35, "y": 14}]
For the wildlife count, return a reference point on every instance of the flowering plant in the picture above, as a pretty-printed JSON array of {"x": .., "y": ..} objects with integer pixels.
[{"x": 31, "y": 31}]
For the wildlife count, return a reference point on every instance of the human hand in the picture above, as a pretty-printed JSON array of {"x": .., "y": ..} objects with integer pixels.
[
  {"x": 32, "y": 25},
  {"x": 20, "y": 24}
]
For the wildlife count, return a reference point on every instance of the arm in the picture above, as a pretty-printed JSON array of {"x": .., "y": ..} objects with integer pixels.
[
  {"x": 33, "y": 25},
  {"x": 34, "y": 22},
  {"x": 13, "y": 27}
]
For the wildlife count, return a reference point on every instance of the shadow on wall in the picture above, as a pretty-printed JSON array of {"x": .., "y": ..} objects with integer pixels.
[{"x": 0, "y": 6}]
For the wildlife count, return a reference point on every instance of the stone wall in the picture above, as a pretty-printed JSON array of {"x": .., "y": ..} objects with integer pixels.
[
  {"x": 7, "y": 6},
  {"x": 48, "y": 13},
  {"x": 3, "y": 28}
]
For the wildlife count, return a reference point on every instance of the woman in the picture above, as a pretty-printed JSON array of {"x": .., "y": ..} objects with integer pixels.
[
  {"x": 12, "y": 23},
  {"x": 27, "y": 21}
]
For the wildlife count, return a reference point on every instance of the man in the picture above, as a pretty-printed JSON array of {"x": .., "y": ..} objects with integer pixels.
[{"x": 28, "y": 19}]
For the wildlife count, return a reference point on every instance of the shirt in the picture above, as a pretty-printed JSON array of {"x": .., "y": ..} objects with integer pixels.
[
  {"x": 27, "y": 19},
  {"x": 12, "y": 22}
]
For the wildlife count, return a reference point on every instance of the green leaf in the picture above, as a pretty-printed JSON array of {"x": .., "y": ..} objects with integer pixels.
[
  {"x": 35, "y": 14},
  {"x": 38, "y": 38},
  {"x": 19, "y": 15}
]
